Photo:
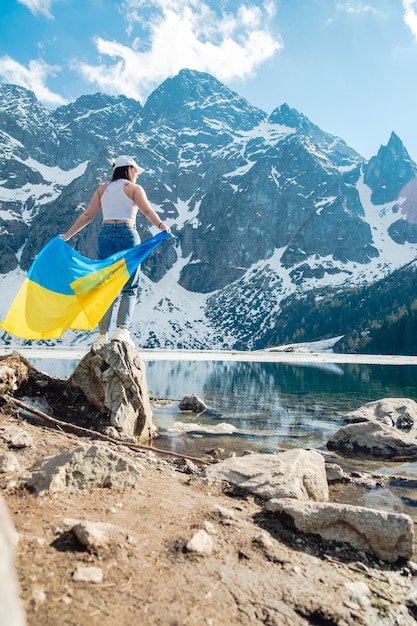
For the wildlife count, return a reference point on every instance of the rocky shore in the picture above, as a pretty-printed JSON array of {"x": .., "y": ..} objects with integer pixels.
[{"x": 107, "y": 532}]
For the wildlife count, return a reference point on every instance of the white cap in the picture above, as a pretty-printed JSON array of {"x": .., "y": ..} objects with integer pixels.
[{"x": 124, "y": 160}]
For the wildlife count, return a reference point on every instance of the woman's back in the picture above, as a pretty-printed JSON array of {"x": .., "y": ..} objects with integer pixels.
[{"x": 115, "y": 204}]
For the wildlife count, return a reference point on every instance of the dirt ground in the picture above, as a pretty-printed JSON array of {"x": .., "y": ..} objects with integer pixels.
[{"x": 260, "y": 571}]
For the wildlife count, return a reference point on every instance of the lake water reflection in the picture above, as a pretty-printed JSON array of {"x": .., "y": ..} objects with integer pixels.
[
  {"x": 271, "y": 404},
  {"x": 266, "y": 405}
]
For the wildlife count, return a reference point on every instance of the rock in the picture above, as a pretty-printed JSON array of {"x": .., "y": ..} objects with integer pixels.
[
  {"x": 374, "y": 439},
  {"x": 111, "y": 431},
  {"x": 38, "y": 595},
  {"x": 210, "y": 528},
  {"x": 11, "y": 608},
  {"x": 15, "y": 437},
  {"x": 359, "y": 593},
  {"x": 85, "y": 467},
  {"x": 187, "y": 466},
  {"x": 8, "y": 462},
  {"x": 218, "y": 429},
  {"x": 264, "y": 541},
  {"x": 296, "y": 473},
  {"x": 335, "y": 474},
  {"x": 396, "y": 412},
  {"x": 93, "y": 535},
  {"x": 192, "y": 403},
  {"x": 201, "y": 543},
  {"x": 224, "y": 513},
  {"x": 8, "y": 381},
  {"x": 113, "y": 380},
  {"x": 96, "y": 536},
  {"x": 88, "y": 574},
  {"x": 387, "y": 535}
]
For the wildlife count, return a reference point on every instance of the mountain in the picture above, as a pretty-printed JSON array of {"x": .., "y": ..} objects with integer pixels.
[{"x": 267, "y": 210}]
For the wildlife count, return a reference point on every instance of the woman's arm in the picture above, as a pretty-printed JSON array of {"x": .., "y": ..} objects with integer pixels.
[
  {"x": 142, "y": 202},
  {"x": 85, "y": 218}
]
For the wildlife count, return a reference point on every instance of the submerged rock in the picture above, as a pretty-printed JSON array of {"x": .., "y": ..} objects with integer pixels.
[
  {"x": 218, "y": 429},
  {"x": 374, "y": 439},
  {"x": 396, "y": 412},
  {"x": 193, "y": 403},
  {"x": 385, "y": 428}
]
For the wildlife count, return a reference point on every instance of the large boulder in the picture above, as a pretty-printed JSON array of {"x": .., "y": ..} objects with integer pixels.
[
  {"x": 113, "y": 379},
  {"x": 387, "y": 535},
  {"x": 374, "y": 439},
  {"x": 86, "y": 467},
  {"x": 296, "y": 473},
  {"x": 396, "y": 412}
]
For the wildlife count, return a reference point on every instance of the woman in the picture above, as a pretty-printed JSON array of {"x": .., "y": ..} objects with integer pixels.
[{"x": 119, "y": 201}]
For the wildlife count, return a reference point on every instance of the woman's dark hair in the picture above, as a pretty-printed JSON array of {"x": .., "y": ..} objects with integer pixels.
[{"x": 121, "y": 172}]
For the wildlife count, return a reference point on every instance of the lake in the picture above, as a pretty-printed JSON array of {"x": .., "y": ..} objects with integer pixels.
[{"x": 258, "y": 405}]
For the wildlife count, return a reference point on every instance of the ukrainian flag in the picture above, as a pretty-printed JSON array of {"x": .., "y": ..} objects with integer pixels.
[{"x": 64, "y": 290}]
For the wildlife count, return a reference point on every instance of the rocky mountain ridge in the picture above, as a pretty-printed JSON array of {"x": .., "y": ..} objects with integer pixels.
[{"x": 263, "y": 207}]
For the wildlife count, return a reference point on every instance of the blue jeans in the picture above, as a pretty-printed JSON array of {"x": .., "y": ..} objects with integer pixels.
[{"x": 114, "y": 238}]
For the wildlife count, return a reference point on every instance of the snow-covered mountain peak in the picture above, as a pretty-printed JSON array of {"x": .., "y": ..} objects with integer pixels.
[{"x": 264, "y": 209}]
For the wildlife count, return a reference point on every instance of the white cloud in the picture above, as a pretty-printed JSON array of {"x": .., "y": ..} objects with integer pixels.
[
  {"x": 410, "y": 15},
  {"x": 352, "y": 8},
  {"x": 356, "y": 7},
  {"x": 179, "y": 34},
  {"x": 32, "y": 77},
  {"x": 38, "y": 6}
]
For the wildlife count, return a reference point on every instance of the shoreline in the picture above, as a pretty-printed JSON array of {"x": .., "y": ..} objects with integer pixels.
[
  {"x": 173, "y": 549},
  {"x": 261, "y": 356}
]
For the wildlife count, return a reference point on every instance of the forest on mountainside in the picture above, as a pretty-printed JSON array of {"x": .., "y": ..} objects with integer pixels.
[{"x": 375, "y": 319}]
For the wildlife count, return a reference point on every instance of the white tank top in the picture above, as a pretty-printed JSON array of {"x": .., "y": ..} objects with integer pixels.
[{"x": 115, "y": 204}]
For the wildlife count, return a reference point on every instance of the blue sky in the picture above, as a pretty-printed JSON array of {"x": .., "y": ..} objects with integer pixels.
[{"x": 349, "y": 66}]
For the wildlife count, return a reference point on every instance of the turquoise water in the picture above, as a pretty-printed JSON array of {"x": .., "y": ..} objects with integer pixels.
[
  {"x": 271, "y": 404},
  {"x": 266, "y": 405}
]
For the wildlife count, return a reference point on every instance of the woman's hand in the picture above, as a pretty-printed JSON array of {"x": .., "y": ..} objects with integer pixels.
[{"x": 163, "y": 226}]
